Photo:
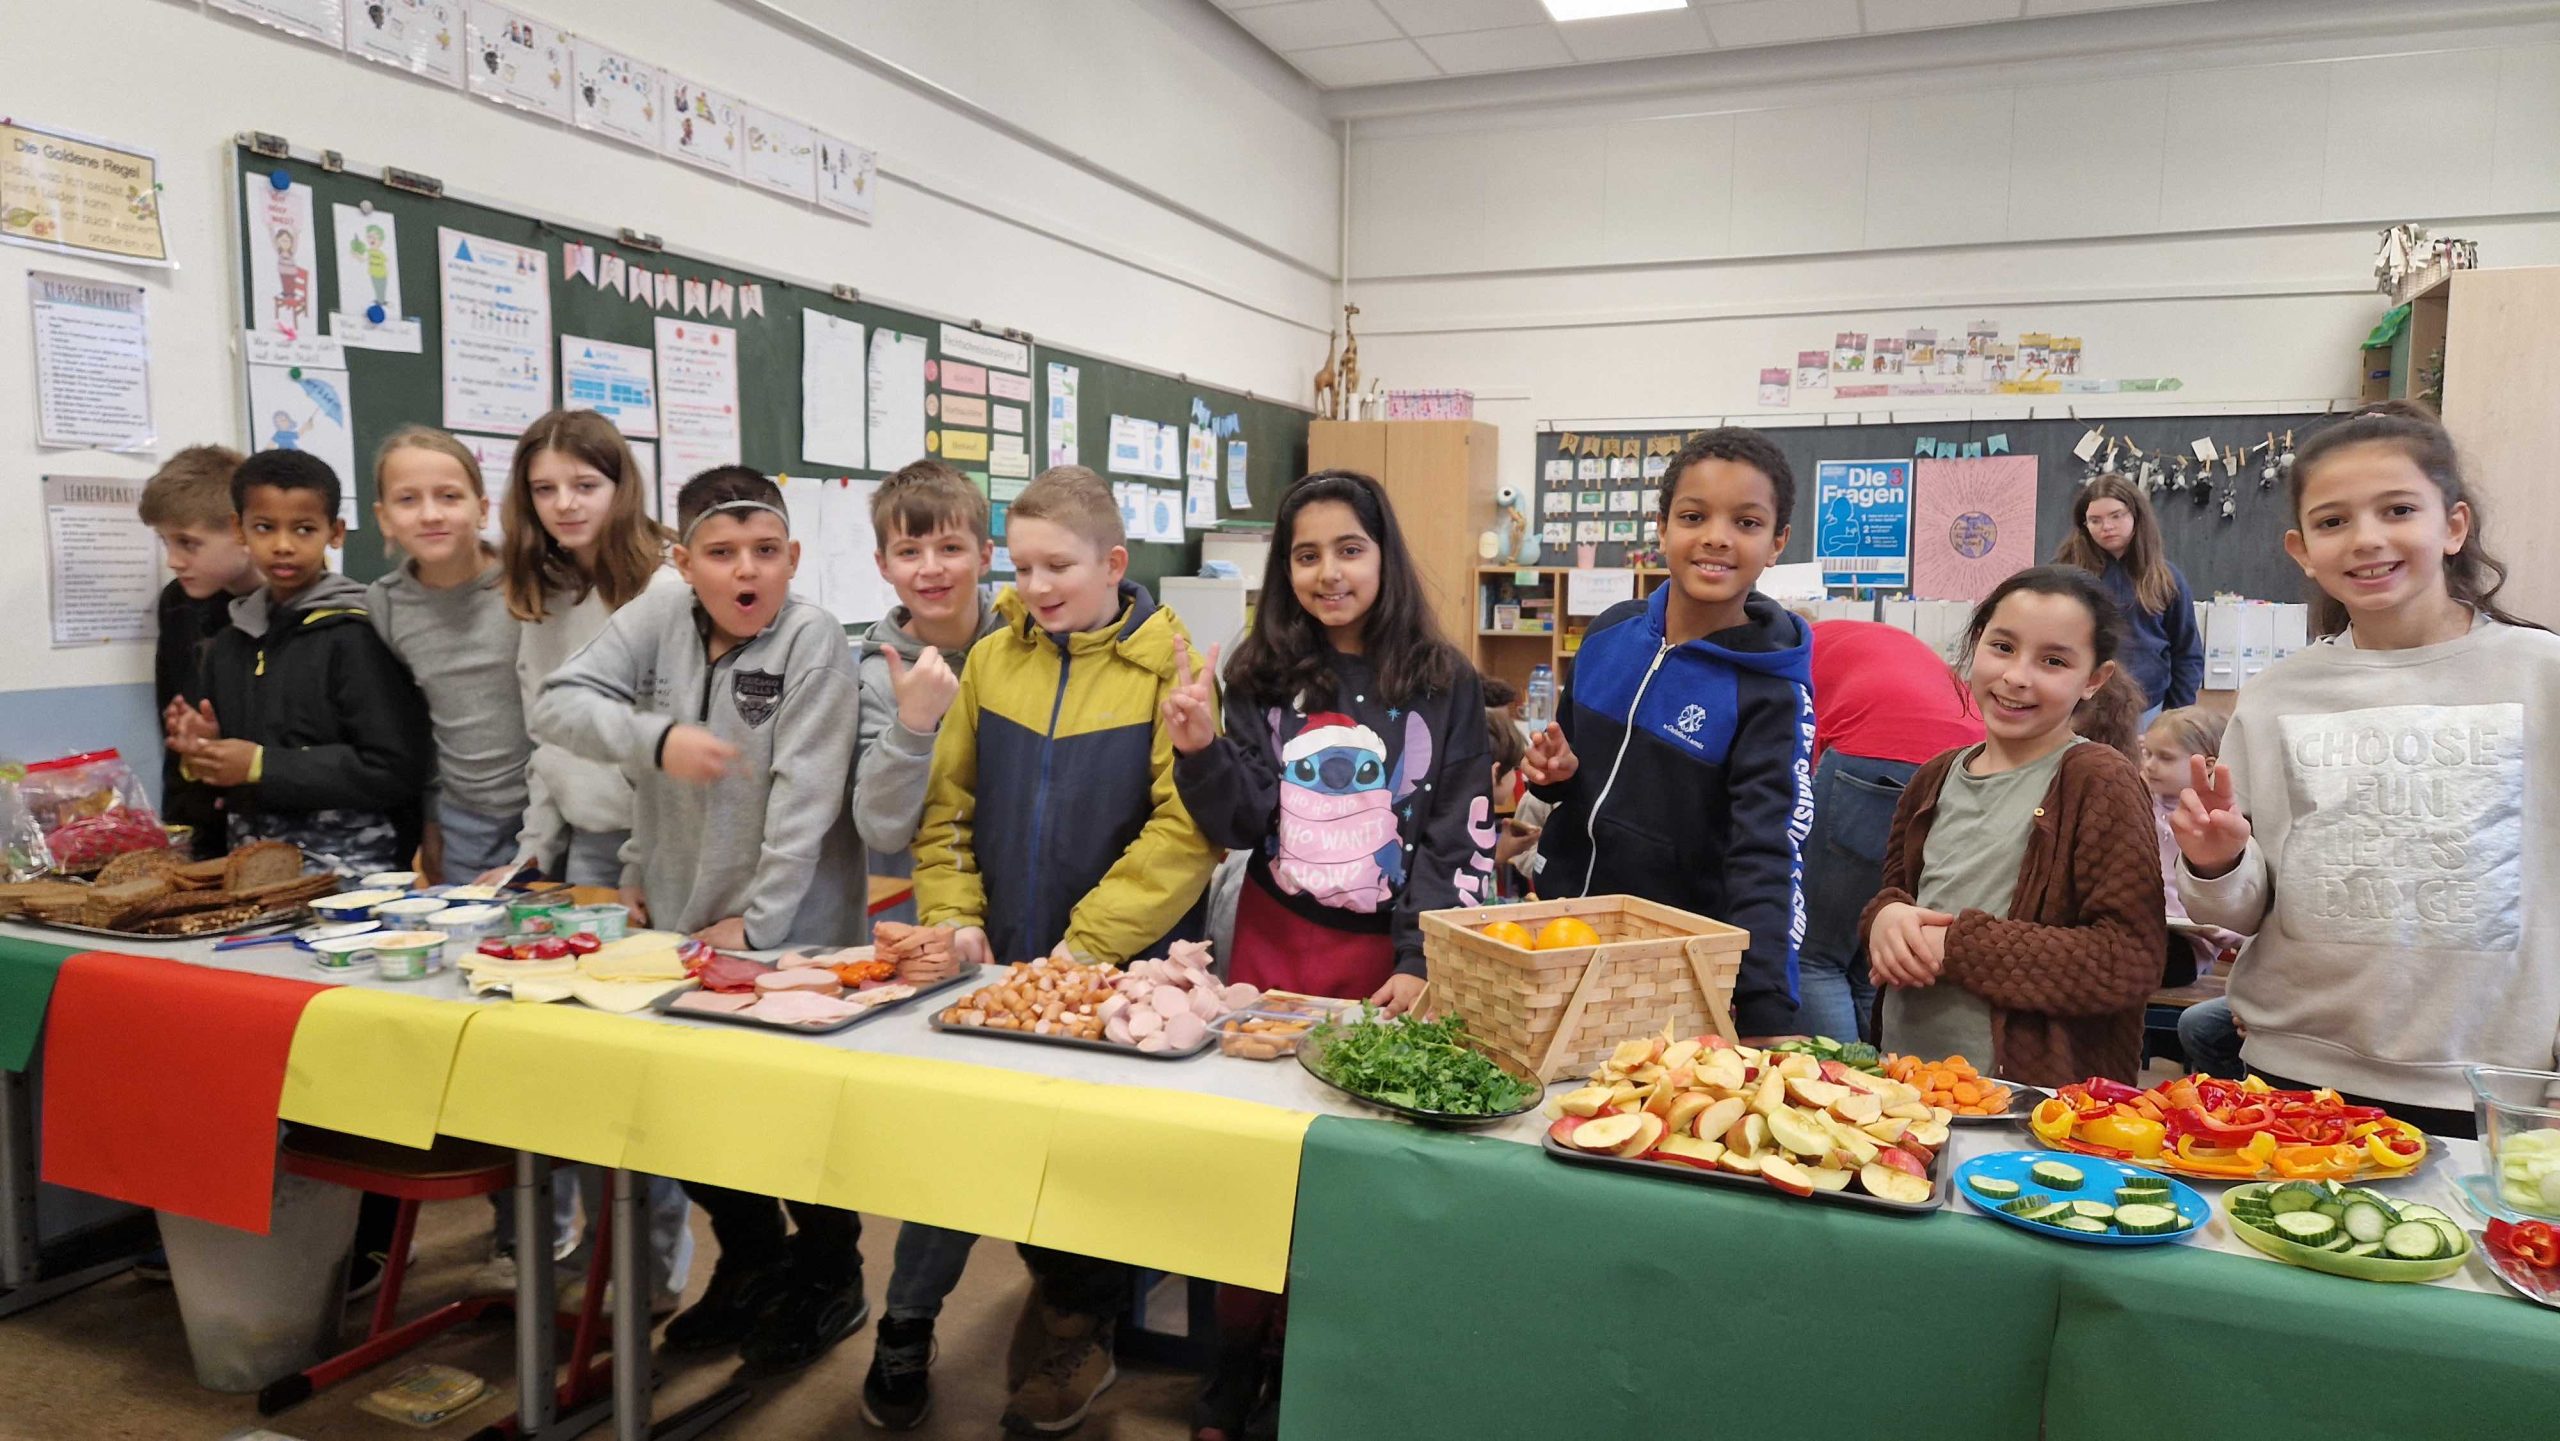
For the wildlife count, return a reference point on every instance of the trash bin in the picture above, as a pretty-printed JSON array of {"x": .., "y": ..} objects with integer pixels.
[{"x": 260, "y": 1307}]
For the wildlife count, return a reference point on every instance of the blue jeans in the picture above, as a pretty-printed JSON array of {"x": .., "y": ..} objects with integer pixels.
[
  {"x": 1853, "y": 803},
  {"x": 474, "y": 841},
  {"x": 2211, "y": 1040},
  {"x": 930, "y": 1260}
]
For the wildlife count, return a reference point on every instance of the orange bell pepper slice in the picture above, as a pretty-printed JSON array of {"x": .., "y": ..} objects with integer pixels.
[
  {"x": 2205, "y": 1160},
  {"x": 2052, "y": 1120},
  {"x": 2319, "y": 1163}
]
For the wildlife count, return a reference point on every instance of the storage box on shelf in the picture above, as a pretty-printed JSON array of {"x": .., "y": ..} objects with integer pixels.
[
  {"x": 1510, "y": 652},
  {"x": 1564, "y": 1010}
]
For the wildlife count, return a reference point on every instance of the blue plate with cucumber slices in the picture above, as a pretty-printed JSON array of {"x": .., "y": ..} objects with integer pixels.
[{"x": 2082, "y": 1198}]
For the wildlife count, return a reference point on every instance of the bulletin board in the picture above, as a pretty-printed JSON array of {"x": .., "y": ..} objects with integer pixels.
[
  {"x": 388, "y": 389},
  {"x": 1273, "y": 433},
  {"x": 2242, "y": 555}
]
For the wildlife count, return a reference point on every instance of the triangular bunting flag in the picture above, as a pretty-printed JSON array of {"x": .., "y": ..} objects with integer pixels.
[
  {"x": 667, "y": 291},
  {"x": 721, "y": 291},
  {"x": 609, "y": 273},
  {"x": 695, "y": 293},
  {"x": 751, "y": 302}
]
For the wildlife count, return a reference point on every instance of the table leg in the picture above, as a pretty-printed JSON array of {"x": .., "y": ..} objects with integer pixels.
[
  {"x": 29, "y": 1276},
  {"x": 632, "y": 1283},
  {"x": 537, "y": 1358}
]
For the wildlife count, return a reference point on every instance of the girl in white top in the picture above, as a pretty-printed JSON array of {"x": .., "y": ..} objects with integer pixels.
[
  {"x": 2380, "y": 821},
  {"x": 579, "y": 546}
]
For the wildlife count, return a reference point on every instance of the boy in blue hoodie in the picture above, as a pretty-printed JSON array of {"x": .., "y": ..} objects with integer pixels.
[{"x": 1695, "y": 706}]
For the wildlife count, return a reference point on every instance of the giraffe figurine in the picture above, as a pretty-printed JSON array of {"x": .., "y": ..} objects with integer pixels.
[
  {"x": 1350, "y": 380},
  {"x": 1326, "y": 394}
]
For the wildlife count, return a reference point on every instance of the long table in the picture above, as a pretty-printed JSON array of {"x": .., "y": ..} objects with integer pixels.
[{"x": 1462, "y": 1284}]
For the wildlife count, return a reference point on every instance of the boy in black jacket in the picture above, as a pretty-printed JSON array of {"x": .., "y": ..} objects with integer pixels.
[
  {"x": 1696, "y": 705},
  {"x": 188, "y": 505},
  {"x": 309, "y": 725}
]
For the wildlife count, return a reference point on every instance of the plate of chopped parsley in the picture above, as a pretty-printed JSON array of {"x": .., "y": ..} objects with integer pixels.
[{"x": 1427, "y": 1071}]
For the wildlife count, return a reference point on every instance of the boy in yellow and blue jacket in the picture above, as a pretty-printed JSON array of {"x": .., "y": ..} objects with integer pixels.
[{"x": 1052, "y": 827}]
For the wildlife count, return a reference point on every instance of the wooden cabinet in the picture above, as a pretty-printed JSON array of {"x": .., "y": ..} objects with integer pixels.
[
  {"x": 1440, "y": 474},
  {"x": 2501, "y": 377}
]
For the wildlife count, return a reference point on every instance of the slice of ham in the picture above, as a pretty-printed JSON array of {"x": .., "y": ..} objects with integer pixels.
[
  {"x": 814, "y": 979},
  {"x": 800, "y": 1008},
  {"x": 730, "y": 1002},
  {"x": 733, "y": 974},
  {"x": 1184, "y": 1031}
]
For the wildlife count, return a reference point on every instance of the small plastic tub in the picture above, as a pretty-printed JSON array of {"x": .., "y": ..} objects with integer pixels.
[
  {"x": 408, "y": 955},
  {"x": 536, "y": 913},
  {"x": 390, "y": 881},
  {"x": 409, "y": 912},
  {"x": 1261, "y": 1036},
  {"x": 339, "y": 955},
  {"x": 352, "y": 905},
  {"x": 605, "y": 923},
  {"x": 468, "y": 926},
  {"x": 460, "y": 894}
]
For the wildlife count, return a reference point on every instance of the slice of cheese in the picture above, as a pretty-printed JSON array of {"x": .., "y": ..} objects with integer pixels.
[
  {"x": 622, "y": 997},
  {"x": 646, "y": 956}
]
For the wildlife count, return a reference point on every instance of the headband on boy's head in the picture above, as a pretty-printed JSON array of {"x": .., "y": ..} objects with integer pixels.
[{"x": 735, "y": 505}]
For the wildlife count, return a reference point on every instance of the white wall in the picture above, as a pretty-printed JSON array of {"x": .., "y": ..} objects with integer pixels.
[
  {"x": 1182, "y": 213},
  {"x": 2204, "y": 212}
]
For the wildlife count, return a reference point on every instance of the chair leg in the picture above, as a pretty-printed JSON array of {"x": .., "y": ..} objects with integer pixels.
[
  {"x": 293, "y": 1390},
  {"x": 395, "y": 1269}
]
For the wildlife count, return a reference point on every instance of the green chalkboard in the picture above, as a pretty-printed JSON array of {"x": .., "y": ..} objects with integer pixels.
[
  {"x": 390, "y": 389},
  {"x": 1273, "y": 433}
]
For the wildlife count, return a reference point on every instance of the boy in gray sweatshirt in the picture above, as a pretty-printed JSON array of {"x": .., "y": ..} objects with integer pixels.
[{"x": 733, "y": 707}]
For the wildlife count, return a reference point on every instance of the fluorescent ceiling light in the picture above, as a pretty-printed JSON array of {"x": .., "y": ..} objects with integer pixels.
[{"x": 1601, "y": 9}]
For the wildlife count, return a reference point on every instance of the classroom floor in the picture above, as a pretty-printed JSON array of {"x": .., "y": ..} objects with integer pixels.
[{"x": 111, "y": 1362}]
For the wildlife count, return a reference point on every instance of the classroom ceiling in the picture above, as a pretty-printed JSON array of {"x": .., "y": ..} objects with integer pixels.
[{"x": 1346, "y": 44}]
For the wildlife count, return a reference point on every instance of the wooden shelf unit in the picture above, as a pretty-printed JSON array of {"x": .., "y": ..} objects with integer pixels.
[
  {"x": 1440, "y": 474},
  {"x": 1509, "y": 655}
]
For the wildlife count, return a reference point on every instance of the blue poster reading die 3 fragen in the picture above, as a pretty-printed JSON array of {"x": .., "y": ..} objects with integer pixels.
[{"x": 1862, "y": 522}]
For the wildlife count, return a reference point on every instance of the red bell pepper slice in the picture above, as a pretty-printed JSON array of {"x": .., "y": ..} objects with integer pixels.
[{"x": 2535, "y": 1244}]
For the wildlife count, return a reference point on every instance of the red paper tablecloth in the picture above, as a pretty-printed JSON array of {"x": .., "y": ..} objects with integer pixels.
[{"x": 161, "y": 1081}]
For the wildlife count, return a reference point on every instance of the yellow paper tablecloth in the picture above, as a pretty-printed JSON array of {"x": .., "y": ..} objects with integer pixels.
[
  {"x": 560, "y": 1080},
  {"x": 1169, "y": 1180},
  {"x": 373, "y": 1063}
]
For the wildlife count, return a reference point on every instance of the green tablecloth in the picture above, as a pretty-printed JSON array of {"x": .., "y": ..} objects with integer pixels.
[
  {"x": 1450, "y": 1286},
  {"x": 27, "y": 969}
]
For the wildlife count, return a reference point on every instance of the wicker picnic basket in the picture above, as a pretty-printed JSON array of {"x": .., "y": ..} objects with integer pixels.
[{"x": 1565, "y": 1010}]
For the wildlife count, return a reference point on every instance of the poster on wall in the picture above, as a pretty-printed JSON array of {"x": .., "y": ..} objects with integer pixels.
[
  {"x": 847, "y": 176},
  {"x": 307, "y": 408},
  {"x": 832, "y": 412},
  {"x": 697, "y": 396},
  {"x": 1060, "y": 428},
  {"x": 614, "y": 381},
  {"x": 321, "y": 20},
  {"x": 1973, "y": 525},
  {"x": 78, "y": 196},
  {"x": 497, "y": 332},
  {"x": 516, "y": 60},
  {"x": 613, "y": 94},
  {"x": 103, "y": 563},
  {"x": 496, "y": 457},
  {"x": 701, "y": 127},
  {"x": 781, "y": 154},
  {"x": 423, "y": 37},
  {"x": 1862, "y": 523},
  {"x": 281, "y": 255},
  {"x": 93, "y": 363},
  {"x": 895, "y": 400},
  {"x": 369, "y": 313}
]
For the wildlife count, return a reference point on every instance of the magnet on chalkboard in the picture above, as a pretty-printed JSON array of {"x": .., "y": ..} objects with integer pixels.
[
  {"x": 375, "y": 313},
  {"x": 365, "y": 205},
  {"x": 294, "y": 374},
  {"x": 279, "y": 179}
]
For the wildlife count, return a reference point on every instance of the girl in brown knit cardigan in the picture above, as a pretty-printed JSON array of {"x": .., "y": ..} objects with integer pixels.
[{"x": 2021, "y": 922}]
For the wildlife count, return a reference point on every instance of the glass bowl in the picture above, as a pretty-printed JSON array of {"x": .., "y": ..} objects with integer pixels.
[
  {"x": 1311, "y": 1058},
  {"x": 2519, "y": 1113}
]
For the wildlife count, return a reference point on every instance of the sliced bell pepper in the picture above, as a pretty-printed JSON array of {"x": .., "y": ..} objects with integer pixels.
[
  {"x": 2535, "y": 1244},
  {"x": 2052, "y": 1120},
  {"x": 2318, "y": 1163},
  {"x": 2126, "y": 1130},
  {"x": 2379, "y": 1149},
  {"x": 2205, "y": 1161}
]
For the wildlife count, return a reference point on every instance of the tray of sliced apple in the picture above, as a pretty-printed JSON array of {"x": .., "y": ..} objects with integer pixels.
[{"x": 1711, "y": 1112}]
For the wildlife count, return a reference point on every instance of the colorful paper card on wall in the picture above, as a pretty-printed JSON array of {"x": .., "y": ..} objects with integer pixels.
[
  {"x": 1862, "y": 522},
  {"x": 1973, "y": 525}
]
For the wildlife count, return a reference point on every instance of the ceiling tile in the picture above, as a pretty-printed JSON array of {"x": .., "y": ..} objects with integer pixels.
[
  {"x": 1246, "y": 4},
  {"x": 1886, "y": 15},
  {"x": 1781, "y": 22},
  {"x": 1381, "y": 63},
  {"x": 1518, "y": 48},
  {"x": 1633, "y": 37},
  {"x": 1310, "y": 24},
  {"x": 2077, "y": 7},
  {"x": 1444, "y": 17}
]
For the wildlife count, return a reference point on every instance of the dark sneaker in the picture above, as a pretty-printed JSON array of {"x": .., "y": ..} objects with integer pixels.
[
  {"x": 1074, "y": 1367},
  {"x": 804, "y": 1323},
  {"x": 727, "y": 1311},
  {"x": 897, "y": 1394}
]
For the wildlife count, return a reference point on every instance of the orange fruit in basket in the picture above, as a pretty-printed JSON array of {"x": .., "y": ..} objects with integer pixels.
[
  {"x": 1566, "y": 932},
  {"x": 1510, "y": 933}
]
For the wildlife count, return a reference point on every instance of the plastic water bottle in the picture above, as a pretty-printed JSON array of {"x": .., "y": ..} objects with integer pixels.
[{"x": 1540, "y": 706}]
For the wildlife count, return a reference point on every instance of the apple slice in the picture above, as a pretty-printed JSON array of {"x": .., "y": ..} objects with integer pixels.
[
  {"x": 1895, "y": 1093},
  {"x": 1903, "y": 1161},
  {"x": 1858, "y": 1108},
  {"x": 1799, "y": 1132},
  {"x": 1770, "y": 1096},
  {"x": 1857, "y": 1080},
  {"x": 1585, "y": 1101},
  {"x": 1750, "y": 1135},
  {"x": 1607, "y": 1133},
  {"x": 1713, "y": 1042},
  {"x": 1830, "y": 1178},
  {"x": 1724, "y": 1071},
  {"x": 1659, "y": 1103},
  {"x": 1817, "y": 1094},
  {"x": 1928, "y": 1155},
  {"x": 1900, "y": 1187},
  {"x": 1562, "y": 1131},
  {"x": 1631, "y": 1054},
  {"x": 1857, "y": 1143},
  {"x": 1647, "y": 1074},
  {"x": 1718, "y": 1118},
  {"x": 1796, "y": 1064},
  {"x": 1786, "y": 1175},
  {"x": 1685, "y": 1108},
  {"x": 1688, "y": 1151},
  {"x": 1939, "y": 1114},
  {"x": 1648, "y": 1134},
  {"x": 1832, "y": 1071},
  {"x": 1623, "y": 1095},
  {"x": 1909, "y": 1111},
  {"x": 1887, "y": 1130},
  {"x": 1932, "y": 1133},
  {"x": 1679, "y": 1053},
  {"x": 1741, "y": 1163}
]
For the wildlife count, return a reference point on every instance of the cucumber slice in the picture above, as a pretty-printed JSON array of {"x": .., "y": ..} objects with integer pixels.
[
  {"x": 2024, "y": 1204},
  {"x": 2365, "y": 1221},
  {"x": 2139, "y": 1219},
  {"x": 2085, "y": 1225},
  {"x": 2047, "y": 1211},
  {"x": 2309, "y": 1227},
  {"x": 2368, "y": 1248},
  {"x": 2334, "y": 1210},
  {"x": 2339, "y": 1243},
  {"x": 2413, "y": 1241},
  {"x": 1994, "y": 1189},
  {"x": 2294, "y": 1196},
  {"x": 2093, "y": 1210},
  {"x": 2059, "y": 1176},
  {"x": 2454, "y": 1240},
  {"x": 2140, "y": 1182},
  {"x": 2413, "y": 1211}
]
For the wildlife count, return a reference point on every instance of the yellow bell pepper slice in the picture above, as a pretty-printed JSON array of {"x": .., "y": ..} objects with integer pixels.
[{"x": 2052, "y": 1120}]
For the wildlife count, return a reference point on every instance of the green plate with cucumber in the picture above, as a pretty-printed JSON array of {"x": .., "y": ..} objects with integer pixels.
[
  {"x": 2347, "y": 1230},
  {"x": 2081, "y": 1198}
]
